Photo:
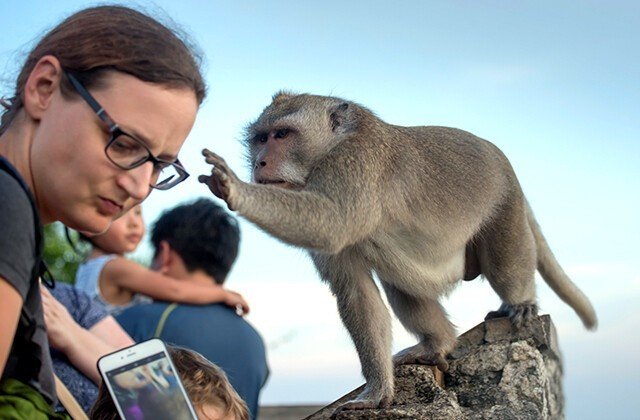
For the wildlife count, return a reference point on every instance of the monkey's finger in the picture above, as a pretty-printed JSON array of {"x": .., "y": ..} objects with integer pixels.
[
  {"x": 216, "y": 161},
  {"x": 209, "y": 155},
  {"x": 204, "y": 179},
  {"x": 220, "y": 174},
  {"x": 206, "y": 152}
]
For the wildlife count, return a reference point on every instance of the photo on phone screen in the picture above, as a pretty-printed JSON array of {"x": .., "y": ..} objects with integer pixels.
[{"x": 146, "y": 388}]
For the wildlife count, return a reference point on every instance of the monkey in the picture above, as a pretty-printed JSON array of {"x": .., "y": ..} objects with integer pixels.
[{"x": 420, "y": 207}]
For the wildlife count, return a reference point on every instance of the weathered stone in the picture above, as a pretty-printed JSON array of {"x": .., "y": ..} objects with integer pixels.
[
  {"x": 467, "y": 341},
  {"x": 496, "y": 372}
]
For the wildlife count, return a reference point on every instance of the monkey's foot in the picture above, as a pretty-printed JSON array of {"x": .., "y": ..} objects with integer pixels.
[
  {"x": 421, "y": 355},
  {"x": 366, "y": 401},
  {"x": 520, "y": 315}
]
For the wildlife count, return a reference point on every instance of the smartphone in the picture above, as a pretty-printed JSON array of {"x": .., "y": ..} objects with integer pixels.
[{"x": 144, "y": 384}]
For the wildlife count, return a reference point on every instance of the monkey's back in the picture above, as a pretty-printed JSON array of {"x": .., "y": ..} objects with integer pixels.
[{"x": 451, "y": 169}]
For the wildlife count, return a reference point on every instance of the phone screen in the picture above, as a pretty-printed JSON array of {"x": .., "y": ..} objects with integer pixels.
[{"x": 148, "y": 389}]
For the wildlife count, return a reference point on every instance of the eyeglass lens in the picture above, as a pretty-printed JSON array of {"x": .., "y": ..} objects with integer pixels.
[{"x": 128, "y": 153}]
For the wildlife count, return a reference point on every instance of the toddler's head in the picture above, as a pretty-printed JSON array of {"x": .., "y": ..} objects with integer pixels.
[{"x": 124, "y": 234}]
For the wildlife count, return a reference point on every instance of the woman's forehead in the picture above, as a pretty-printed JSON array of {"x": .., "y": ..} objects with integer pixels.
[{"x": 160, "y": 116}]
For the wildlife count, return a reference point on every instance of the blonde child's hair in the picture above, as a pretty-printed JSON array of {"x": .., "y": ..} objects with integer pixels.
[{"x": 205, "y": 383}]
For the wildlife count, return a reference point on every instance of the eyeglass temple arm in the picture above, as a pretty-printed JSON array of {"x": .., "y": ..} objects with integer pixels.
[{"x": 97, "y": 108}]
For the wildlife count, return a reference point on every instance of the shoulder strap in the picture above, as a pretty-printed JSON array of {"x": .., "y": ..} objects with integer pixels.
[
  {"x": 163, "y": 319},
  {"x": 8, "y": 168},
  {"x": 68, "y": 401},
  {"x": 40, "y": 266}
]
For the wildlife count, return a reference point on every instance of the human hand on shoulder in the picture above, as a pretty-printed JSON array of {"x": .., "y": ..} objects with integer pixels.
[{"x": 236, "y": 301}]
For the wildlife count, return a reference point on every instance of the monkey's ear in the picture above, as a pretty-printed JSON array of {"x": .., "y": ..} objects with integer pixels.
[
  {"x": 340, "y": 118},
  {"x": 281, "y": 96}
]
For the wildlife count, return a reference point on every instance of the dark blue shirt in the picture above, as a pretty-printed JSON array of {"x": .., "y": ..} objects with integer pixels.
[{"x": 216, "y": 332}]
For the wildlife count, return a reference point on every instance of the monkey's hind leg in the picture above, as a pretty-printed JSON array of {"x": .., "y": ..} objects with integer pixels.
[
  {"x": 425, "y": 318},
  {"x": 368, "y": 321},
  {"x": 508, "y": 259}
]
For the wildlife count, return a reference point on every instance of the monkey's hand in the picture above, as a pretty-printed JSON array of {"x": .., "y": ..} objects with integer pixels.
[{"x": 222, "y": 182}]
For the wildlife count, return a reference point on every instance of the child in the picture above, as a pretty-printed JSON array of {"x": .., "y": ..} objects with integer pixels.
[
  {"x": 119, "y": 283},
  {"x": 212, "y": 395}
]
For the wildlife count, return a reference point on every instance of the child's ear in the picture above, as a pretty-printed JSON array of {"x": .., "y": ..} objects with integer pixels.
[{"x": 162, "y": 261}]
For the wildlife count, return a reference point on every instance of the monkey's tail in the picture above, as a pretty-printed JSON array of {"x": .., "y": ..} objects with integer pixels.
[{"x": 558, "y": 280}]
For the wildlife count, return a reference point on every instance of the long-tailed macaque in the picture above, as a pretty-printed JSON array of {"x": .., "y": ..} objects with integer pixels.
[{"x": 422, "y": 207}]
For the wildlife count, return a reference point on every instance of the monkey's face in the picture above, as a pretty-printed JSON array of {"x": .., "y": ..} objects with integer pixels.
[
  {"x": 274, "y": 159},
  {"x": 289, "y": 138}
]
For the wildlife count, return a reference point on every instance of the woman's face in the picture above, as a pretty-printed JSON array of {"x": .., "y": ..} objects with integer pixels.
[
  {"x": 73, "y": 179},
  {"x": 124, "y": 234}
]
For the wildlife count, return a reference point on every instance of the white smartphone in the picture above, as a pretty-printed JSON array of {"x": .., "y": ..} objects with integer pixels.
[{"x": 144, "y": 384}]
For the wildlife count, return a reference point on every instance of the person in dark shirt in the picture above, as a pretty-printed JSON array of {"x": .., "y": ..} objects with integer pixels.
[
  {"x": 94, "y": 122},
  {"x": 198, "y": 242}
]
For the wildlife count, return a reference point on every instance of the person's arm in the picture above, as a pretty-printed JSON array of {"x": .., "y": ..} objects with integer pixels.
[
  {"x": 109, "y": 331},
  {"x": 138, "y": 279},
  {"x": 11, "y": 304},
  {"x": 82, "y": 348}
]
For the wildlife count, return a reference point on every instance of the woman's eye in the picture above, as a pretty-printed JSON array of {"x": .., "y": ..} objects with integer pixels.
[
  {"x": 122, "y": 145},
  {"x": 125, "y": 145}
]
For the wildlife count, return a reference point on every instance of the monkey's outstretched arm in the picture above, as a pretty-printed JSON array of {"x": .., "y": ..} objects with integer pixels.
[{"x": 312, "y": 218}]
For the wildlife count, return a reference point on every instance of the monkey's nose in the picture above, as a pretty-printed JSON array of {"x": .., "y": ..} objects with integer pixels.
[{"x": 261, "y": 163}]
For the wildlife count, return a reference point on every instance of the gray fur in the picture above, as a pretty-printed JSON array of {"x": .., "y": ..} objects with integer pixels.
[{"x": 419, "y": 206}]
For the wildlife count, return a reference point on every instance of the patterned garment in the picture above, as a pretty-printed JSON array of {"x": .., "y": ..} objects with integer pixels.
[{"x": 86, "y": 312}]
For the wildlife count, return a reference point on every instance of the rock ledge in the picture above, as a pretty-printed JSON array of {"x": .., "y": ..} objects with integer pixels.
[{"x": 496, "y": 372}]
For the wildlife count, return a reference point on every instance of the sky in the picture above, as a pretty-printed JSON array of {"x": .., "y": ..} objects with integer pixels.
[{"x": 554, "y": 84}]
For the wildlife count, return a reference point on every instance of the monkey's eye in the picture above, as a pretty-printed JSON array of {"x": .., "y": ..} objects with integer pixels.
[
  {"x": 262, "y": 138},
  {"x": 281, "y": 133}
]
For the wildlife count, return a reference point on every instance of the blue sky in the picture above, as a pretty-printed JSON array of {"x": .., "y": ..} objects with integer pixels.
[{"x": 555, "y": 84}]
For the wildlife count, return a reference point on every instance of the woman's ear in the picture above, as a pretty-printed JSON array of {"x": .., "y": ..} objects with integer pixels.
[{"x": 43, "y": 82}]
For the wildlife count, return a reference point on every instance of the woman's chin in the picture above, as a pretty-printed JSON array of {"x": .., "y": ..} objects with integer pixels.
[{"x": 94, "y": 227}]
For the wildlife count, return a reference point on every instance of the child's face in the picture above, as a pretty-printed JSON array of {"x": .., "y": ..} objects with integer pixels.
[
  {"x": 123, "y": 235},
  {"x": 212, "y": 412}
]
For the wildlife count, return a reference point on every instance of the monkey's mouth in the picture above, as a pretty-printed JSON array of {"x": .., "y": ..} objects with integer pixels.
[
  {"x": 271, "y": 181},
  {"x": 279, "y": 183}
]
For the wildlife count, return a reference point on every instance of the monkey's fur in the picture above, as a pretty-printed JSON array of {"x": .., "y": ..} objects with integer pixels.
[{"x": 422, "y": 207}]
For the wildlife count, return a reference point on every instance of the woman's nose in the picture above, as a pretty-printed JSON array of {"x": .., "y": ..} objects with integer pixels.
[{"x": 136, "y": 181}]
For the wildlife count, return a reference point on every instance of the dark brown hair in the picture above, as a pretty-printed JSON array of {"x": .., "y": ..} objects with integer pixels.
[
  {"x": 205, "y": 383},
  {"x": 104, "y": 38}
]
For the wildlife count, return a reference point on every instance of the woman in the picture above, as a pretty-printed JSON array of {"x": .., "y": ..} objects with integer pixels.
[{"x": 100, "y": 111}]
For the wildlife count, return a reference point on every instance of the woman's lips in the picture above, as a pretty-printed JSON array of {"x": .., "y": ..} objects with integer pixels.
[{"x": 108, "y": 207}]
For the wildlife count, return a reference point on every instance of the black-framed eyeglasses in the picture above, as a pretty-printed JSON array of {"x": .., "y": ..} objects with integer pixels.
[{"x": 127, "y": 152}]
